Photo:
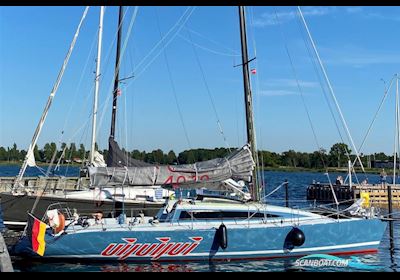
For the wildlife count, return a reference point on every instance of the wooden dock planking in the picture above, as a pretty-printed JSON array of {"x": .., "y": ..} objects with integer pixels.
[{"x": 377, "y": 193}]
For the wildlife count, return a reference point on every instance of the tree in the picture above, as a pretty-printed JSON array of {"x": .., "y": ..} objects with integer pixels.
[
  {"x": 269, "y": 159},
  {"x": 289, "y": 158},
  {"x": 157, "y": 156},
  {"x": 63, "y": 152},
  {"x": 37, "y": 154},
  {"x": 72, "y": 151},
  {"x": 380, "y": 156},
  {"x": 49, "y": 150},
  {"x": 14, "y": 153},
  {"x": 3, "y": 154},
  {"x": 338, "y": 154},
  {"x": 319, "y": 159},
  {"x": 171, "y": 157},
  {"x": 22, "y": 154},
  {"x": 304, "y": 160},
  {"x": 136, "y": 154},
  {"x": 81, "y": 152}
]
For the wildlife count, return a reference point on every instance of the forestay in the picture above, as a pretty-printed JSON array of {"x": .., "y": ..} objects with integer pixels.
[{"x": 238, "y": 165}]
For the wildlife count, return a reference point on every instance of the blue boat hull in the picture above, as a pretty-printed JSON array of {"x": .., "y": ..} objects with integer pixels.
[{"x": 179, "y": 243}]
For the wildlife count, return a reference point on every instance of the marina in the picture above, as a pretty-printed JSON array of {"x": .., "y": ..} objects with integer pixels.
[
  {"x": 297, "y": 193},
  {"x": 126, "y": 210},
  {"x": 377, "y": 194}
]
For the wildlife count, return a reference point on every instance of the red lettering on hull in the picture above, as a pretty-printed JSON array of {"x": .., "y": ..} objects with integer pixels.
[{"x": 152, "y": 250}]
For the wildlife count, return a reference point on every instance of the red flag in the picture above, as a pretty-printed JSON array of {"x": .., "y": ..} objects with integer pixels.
[{"x": 253, "y": 71}]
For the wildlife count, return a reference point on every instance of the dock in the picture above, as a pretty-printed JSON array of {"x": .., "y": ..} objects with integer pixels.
[
  {"x": 5, "y": 260},
  {"x": 377, "y": 193},
  {"x": 47, "y": 183}
]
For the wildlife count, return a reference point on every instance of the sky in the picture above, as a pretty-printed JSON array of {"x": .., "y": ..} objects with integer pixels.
[{"x": 186, "y": 92}]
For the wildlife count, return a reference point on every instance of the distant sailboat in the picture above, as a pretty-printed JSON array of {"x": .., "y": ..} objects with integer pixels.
[{"x": 212, "y": 229}]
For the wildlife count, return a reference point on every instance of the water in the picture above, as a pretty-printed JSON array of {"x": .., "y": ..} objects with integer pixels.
[
  {"x": 298, "y": 182},
  {"x": 12, "y": 170}
]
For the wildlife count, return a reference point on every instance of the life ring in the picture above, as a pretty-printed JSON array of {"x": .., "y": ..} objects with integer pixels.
[{"x": 61, "y": 224}]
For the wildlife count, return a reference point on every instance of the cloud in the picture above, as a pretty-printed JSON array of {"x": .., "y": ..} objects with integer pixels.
[
  {"x": 365, "y": 14},
  {"x": 271, "y": 18},
  {"x": 379, "y": 16},
  {"x": 358, "y": 57},
  {"x": 354, "y": 10},
  {"x": 290, "y": 83},
  {"x": 268, "y": 19}
]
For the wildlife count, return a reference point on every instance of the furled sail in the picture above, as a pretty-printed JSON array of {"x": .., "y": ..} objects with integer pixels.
[
  {"x": 30, "y": 157},
  {"x": 238, "y": 165},
  {"x": 98, "y": 160},
  {"x": 118, "y": 158}
]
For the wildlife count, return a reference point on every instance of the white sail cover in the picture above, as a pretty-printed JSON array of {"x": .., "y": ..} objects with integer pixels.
[
  {"x": 98, "y": 160},
  {"x": 238, "y": 165},
  {"x": 30, "y": 158}
]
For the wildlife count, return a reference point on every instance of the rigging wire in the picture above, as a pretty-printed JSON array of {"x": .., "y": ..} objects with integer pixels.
[
  {"x": 67, "y": 118},
  {"x": 331, "y": 90},
  {"x": 126, "y": 126},
  {"x": 79, "y": 86},
  {"x": 107, "y": 101},
  {"x": 385, "y": 95},
  {"x": 396, "y": 134},
  {"x": 261, "y": 176},
  {"x": 178, "y": 26},
  {"x": 234, "y": 52},
  {"x": 180, "y": 23},
  {"x": 295, "y": 74},
  {"x": 221, "y": 131},
  {"x": 398, "y": 119},
  {"x": 173, "y": 85},
  {"x": 308, "y": 48},
  {"x": 207, "y": 49},
  {"x": 80, "y": 82},
  {"x": 50, "y": 99},
  {"x": 132, "y": 103},
  {"x": 320, "y": 80}
]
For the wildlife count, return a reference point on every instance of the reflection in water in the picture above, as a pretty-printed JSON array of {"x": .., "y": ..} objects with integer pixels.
[{"x": 153, "y": 267}]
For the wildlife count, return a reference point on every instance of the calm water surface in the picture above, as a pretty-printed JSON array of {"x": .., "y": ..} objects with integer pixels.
[{"x": 298, "y": 182}]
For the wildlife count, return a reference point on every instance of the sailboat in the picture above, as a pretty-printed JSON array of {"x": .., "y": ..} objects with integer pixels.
[
  {"x": 209, "y": 229},
  {"x": 107, "y": 198}
]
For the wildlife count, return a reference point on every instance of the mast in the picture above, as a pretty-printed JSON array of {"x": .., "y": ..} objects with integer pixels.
[
  {"x": 29, "y": 158},
  {"x": 116, "y": 77},
  {"x": 97, "y": 80},
  {"x": 248, "y": 102}
]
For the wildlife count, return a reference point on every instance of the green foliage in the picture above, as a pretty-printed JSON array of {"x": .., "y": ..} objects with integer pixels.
[{"x": 337, "y": 156}]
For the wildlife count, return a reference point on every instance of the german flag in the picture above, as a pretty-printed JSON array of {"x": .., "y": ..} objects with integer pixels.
[{"x": 35, "y": 231}]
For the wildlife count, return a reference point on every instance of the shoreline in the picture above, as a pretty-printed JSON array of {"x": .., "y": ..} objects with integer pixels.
[
  {"x": 277, "y": 168},
  {"x": 319, "y": 170},
  {"x": 18, "y": 164}
]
